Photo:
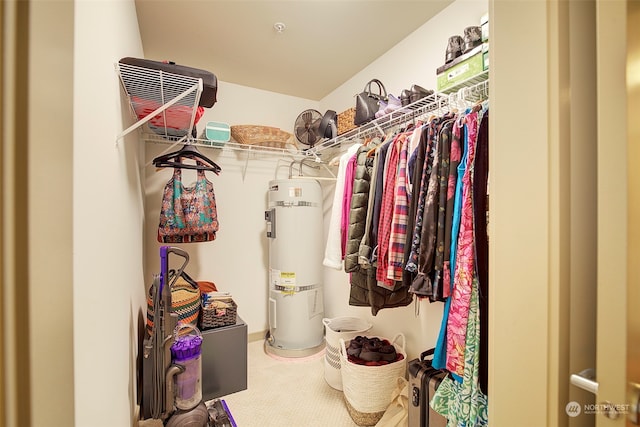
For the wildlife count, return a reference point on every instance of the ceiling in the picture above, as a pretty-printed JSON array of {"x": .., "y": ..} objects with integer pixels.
[{"x": 324, "y": 43}]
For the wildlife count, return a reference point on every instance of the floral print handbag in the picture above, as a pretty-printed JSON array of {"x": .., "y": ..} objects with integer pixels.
[{"x": 188, "y": 214}]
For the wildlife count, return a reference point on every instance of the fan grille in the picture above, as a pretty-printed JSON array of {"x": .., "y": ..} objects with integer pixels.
[{"x": 306, "y": 127}]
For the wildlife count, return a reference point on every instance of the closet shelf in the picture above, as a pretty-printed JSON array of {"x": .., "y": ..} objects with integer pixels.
[
  {"x": 151, "y": 92},
  {"x": 157, "y": 90},
  {"x": 462, "y": 95},
  {"x": 289, "y": 151}
]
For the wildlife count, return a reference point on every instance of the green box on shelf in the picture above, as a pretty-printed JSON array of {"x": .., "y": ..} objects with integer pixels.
[
  {"x": 217, "y": 133},
  {"x": 485, "y": 56},
  {"x": 462, "y": 68}
]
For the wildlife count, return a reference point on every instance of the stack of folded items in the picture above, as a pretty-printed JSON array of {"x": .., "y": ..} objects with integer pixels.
[
  {"x": 372, "y": 351},
  {"x": 218, "y": 301}
]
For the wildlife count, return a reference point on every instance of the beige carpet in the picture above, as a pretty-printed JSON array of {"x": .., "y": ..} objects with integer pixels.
[{"x": 289, "y": 392}]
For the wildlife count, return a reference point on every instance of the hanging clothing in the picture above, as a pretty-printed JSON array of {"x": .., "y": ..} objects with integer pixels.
[
  {"x": 481, "y": 239},
  {"x": 465, "y": 268},
  {"x": 333, "y": 249},
  {"x": 419, "y": 157},
  {"x": 452, "y": 181},
  {"x": 443, "y": 183},
  {"x": 386, "y": 214},
  {"x": 377, "y": 202},
  {"x": 349, "y": 175},
  {"x": 357, "y": 210},
  {"x": 429, "y": 136},
  {"x": 463, "y": 403},
  {"x": 364, "y": 291},
  {"x": 458, "y": 151},
  {"x": 399, "y": 218},
  {"x": 365, "y": 249}
]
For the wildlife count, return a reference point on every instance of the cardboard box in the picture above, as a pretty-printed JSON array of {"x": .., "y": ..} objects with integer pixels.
[{"x": 461, "y": 69}]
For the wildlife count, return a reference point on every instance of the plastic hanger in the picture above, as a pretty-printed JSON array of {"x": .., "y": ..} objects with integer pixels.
[{"x": 188, "y": 151}]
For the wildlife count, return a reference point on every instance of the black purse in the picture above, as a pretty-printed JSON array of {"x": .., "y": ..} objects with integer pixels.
[{"x": 368, "y": 103}]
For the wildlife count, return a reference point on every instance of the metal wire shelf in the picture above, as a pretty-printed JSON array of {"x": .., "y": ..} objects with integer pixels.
[
  {"x": 468, "y": 92},
  {"x": 166, "y": 90},
  {"x": 151, "y": 92}
]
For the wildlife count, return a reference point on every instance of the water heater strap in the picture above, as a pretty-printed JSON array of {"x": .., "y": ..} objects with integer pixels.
[
  {"x": 294, "y": 203},
  {"x": 292, "y": 289}
]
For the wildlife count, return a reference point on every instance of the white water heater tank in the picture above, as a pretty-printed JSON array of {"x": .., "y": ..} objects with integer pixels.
[{"x": 294, "y": 228}]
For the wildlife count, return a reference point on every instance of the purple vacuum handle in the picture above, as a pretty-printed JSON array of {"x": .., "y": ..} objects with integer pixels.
[{"x": 164, "y": 263}]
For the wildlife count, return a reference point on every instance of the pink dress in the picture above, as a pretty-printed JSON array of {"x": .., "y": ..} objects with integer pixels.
[{"x": 464, "y": 269}]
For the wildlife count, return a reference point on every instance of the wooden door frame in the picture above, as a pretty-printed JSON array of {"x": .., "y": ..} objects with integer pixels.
[{"x": 15, "y": 398}]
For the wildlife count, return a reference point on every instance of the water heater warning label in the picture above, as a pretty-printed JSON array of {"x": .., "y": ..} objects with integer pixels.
[{"x": 295, "y": 192}]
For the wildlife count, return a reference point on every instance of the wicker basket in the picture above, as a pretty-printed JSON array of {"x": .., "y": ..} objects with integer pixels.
[
  {"x": 262, "y": 136},
  {"x": 336, "y": 328},
  {"x": 346, "y": 120},
  {"x": 216, "y": 317},
  {"x": 368, "y": 389}
]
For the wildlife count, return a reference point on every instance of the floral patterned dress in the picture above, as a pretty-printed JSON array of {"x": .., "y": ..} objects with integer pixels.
[
  {"x": 462, "y": 403},
  {"x": 464, "y": 268}
]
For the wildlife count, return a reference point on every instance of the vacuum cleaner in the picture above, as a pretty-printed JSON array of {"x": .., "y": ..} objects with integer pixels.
[{"x": 171, "y": 366}]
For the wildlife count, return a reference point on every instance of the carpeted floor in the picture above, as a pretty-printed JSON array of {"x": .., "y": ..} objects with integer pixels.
[{"x": 287, "y": 392}]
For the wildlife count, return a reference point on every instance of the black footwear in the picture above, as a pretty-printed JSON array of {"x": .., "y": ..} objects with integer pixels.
[
  {"x": 472, "y": 38},
  {"x": 454, "y": 48},
  {"x": 355, "y": 346},
  {"x": 388, "y": 353},
  {"x": 371, "y": 351},
  {"x": 418, "y": 92}
]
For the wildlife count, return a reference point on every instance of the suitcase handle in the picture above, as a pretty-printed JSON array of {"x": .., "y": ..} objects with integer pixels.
[{"x": 427, "y": 353}]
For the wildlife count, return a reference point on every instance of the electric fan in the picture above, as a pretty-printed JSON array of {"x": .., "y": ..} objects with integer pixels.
[{"x": 311, "y": 126}]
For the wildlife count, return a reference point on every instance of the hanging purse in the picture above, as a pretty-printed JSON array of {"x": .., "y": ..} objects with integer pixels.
[
  {"x": 188, "y": 214},
  {"x": 367, "y": 102}
]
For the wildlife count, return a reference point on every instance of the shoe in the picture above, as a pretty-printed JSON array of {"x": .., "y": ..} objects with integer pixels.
[
  {"x": 472, "y": 38},
  {"x": 418, "y": 92},
  {"x": 388, "y": 353},
  {"x": 371, "y": 351},
  {"x": 454, "y": 48},
  {"x": 355, "y": 346},
  {"x": 393, "y": 104},
  {"x": 380, "y": 112},
  {"x": 405, "y": 97}
]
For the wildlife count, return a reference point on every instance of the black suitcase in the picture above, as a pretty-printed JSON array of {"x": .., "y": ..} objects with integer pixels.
[
  {"x": 209, "y": 80},
  {"x": 423, "y": 382}
]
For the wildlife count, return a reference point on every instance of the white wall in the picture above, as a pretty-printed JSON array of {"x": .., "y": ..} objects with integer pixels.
[
  {"x": 415, "y": 59},
  {"x": 412, "y": 61},
  {"x": 238, "y": 260},
  {"x": 107, "y": 212}
]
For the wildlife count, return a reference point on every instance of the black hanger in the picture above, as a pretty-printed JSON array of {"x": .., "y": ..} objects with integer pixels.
[{"x": 187, "y": 151}]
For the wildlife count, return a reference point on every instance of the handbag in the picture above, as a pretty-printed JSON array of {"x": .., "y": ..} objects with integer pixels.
[
  {"x": 188, "y": 214},
  {"x": 185, "y": 300},
  {"x": 367, "y": 102}
]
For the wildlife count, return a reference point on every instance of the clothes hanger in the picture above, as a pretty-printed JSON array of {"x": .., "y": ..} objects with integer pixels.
[{"x": 188, "y": 151}]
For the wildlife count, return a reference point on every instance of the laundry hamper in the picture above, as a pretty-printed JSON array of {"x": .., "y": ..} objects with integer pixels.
[
  {"x": 334, "y": 329},
  {"x": 368, "y": 389}
]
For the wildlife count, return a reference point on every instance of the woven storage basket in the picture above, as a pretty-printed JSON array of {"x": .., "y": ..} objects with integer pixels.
[
  {"x": 346, "y": 120},
  {"x": 262, "y": 136},
  {"x": 185, "y": 301},
  {"x": 368, "y": 389},
  {"x": 336, "y": 328},
  {"x": 216, "y": 317}
]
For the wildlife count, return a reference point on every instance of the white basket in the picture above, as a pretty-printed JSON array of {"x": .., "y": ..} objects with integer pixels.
[
  {"x": 336, "y": 328},
  {"x": 368, "y": 389}
]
